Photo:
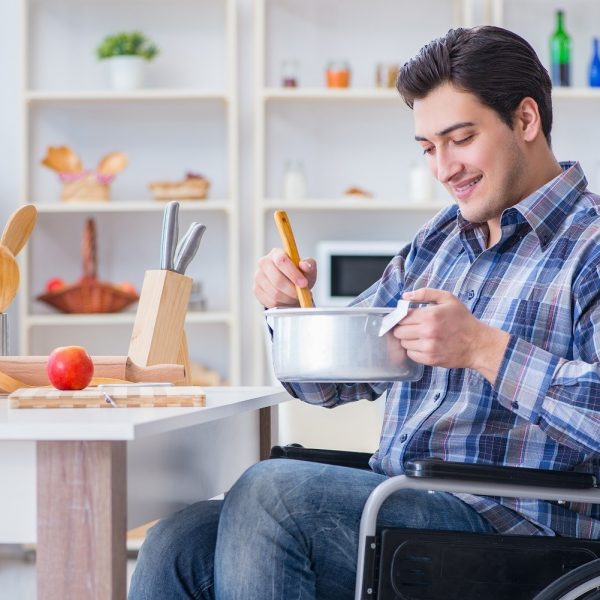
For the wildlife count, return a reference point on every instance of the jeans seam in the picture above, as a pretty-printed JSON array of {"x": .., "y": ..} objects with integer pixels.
[{"x": 198, "y": 593}]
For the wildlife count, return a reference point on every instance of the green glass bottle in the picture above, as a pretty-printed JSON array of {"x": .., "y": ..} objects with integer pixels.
[{"x": 560, "y": 52}]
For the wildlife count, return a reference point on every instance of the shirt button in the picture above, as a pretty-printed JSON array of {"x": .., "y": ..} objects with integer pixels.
[
  {"x": 515, "y": 404},
  {"x": 403, "y": 438},
  {"x": 436, "y": 397},
  {"x": 471, "y": 294}
]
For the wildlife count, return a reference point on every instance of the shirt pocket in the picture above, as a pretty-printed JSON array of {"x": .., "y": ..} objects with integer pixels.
[{"x": 546, "y": 325}]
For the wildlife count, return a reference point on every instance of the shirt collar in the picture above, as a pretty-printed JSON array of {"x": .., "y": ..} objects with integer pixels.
[{"x": 546, "y": 208}]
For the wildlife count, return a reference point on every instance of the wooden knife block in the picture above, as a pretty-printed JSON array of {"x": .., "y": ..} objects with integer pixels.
[{"x": 158, "y": 335}]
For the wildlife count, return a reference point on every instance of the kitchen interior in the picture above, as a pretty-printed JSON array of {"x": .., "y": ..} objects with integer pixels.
[{"x": 235, "y": 109}]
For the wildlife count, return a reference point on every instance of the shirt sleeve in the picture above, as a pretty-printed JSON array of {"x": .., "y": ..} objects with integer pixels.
[{"x": 561, "y": 396}]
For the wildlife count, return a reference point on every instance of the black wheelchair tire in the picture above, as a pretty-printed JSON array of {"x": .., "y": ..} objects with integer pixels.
[{"x": 577, "y": 583}]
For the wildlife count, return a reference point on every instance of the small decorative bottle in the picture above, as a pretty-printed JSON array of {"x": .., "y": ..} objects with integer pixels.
[
  {"x": 289, "y": 73},
  {"x": 560, "y": 52},
  {"x": 594, "y": 71},
  {"x": 294, "y": 181}
]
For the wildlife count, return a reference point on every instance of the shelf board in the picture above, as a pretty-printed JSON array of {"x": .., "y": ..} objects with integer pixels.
[
  {"x": 350, "y": 204},
  {"x": 385, "y": 94},
  {"x": 61, "y": 320},
  {"x": 133, "y": 206},
  {"x": 41, "y": 96},
  {"x": 576, "y": 93}
]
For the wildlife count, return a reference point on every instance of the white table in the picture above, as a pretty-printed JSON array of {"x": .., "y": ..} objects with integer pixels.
[{"x": 100, "y": 471}]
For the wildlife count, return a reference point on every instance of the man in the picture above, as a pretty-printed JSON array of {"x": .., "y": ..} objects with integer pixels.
[{"x": 510, "y": 344}]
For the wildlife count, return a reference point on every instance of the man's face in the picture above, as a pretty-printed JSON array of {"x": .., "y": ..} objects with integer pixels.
[{"x": 471, "y": 151}]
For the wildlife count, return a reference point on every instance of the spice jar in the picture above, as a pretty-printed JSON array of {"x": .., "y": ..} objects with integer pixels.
[
  {"x": 289, "y": 73},
  {"x": 338, "y": 74}
]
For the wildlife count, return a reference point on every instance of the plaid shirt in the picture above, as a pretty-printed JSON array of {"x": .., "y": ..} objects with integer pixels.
[{"x": 540, "y": 283}]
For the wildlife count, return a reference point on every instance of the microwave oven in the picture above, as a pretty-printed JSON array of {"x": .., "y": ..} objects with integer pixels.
[{"x": 345, "y": 269}]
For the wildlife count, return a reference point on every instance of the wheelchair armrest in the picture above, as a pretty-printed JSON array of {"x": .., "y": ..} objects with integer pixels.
[
  {"x": 344, "y": 458},
  {"x": 441, "y": 469}
]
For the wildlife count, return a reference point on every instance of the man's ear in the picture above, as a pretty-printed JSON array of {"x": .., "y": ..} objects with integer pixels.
[{"x": 527, "y": 119}]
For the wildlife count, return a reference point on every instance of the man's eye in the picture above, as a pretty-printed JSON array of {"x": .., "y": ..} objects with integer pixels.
[
  {"x": 428, "y": 150},
  {"x": 463, "y": 140}
]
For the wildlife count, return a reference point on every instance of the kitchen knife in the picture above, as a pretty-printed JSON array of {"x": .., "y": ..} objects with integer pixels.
[
  {"x": 170, "y": 233},
  {"x": 189, "y": 247}
]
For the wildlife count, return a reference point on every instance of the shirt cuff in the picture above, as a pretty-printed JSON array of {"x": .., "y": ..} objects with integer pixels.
[{"x": 525, "y": 375}]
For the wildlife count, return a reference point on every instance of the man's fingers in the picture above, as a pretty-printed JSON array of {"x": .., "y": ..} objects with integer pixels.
[
  {"x": 428, "y": 295},
  {"x": 283, "y": 263}
]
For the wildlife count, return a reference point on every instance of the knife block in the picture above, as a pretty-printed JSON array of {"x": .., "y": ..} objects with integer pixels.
[{"x": 158, "y": 335}]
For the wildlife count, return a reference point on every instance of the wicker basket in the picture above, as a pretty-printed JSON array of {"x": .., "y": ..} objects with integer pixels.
[
  {"x": 193, "y": 188},
  {"x": 86, "y": 188},
  {"x": 89, "y": 295}
]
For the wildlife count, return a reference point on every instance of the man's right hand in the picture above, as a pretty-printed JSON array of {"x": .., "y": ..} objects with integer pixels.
[{"x": 276, "y": 277}]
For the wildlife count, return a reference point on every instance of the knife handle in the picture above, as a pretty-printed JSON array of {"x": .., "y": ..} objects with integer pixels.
[{"x": 289, "y": 245}]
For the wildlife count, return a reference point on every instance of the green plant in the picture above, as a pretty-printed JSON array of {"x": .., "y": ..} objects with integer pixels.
[{"x": 132, "y": 43}]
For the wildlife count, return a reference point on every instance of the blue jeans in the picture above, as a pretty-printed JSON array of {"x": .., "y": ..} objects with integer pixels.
[{"x": 287, "y": 530}]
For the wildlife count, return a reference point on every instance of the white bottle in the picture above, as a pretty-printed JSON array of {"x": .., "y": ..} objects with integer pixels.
[
  {"x": 421, "y": 182},
  {"x": 294, "y": 181}
]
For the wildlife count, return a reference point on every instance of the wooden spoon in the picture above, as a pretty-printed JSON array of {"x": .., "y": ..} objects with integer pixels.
[
  {"x": 289, "y": 244},
  {"x": 9, "y": 278},
  {"x": 18, "y": 228}
]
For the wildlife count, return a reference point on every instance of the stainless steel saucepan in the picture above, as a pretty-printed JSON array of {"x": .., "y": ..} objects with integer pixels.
[{"x": 337, "y": 345}]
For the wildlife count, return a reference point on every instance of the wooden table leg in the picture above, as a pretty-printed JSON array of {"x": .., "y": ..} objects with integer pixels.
[{"x": 81, "y": 520}]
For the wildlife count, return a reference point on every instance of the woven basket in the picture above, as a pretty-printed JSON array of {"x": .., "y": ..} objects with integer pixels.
[
  {"x": 89, "y": 188},
  {"x": 195, "y": 188},
  {"x": 89, "y": 295}
]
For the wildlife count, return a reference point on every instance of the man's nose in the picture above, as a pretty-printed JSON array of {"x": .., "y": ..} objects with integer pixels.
[{"x": 447, "y": 165}]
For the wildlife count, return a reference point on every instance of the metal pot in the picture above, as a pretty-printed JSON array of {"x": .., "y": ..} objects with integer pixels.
[{"x": 338, "y": 345}]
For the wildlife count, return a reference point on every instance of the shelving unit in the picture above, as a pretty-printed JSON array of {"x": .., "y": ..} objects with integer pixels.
[
  {"x": 185, "y": 118},
  {"x": 359, "y": 136},
  {"x": 576, "y": 129}
]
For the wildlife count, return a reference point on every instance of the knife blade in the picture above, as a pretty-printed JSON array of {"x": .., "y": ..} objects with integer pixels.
[{"x": 189, "y": 247}]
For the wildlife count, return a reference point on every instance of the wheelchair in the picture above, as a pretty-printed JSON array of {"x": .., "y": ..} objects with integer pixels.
[{"x": 412, "y": 564}]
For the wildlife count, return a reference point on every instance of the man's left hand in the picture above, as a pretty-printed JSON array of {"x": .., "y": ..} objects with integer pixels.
[{"x": 446, "y": 334}]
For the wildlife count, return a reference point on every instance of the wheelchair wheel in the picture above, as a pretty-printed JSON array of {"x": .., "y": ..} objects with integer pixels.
[{"x": 582, "y": 583}]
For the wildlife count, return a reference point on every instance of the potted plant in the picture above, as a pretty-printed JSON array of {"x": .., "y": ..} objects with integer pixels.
[{"x": 126, "y": 52}]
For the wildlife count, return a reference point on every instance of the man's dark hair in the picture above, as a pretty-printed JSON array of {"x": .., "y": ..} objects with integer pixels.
[{"x": 496, "y": 65}]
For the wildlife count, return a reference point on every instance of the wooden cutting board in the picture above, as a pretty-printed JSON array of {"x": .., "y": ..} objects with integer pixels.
[{"x": 122, "y": 396}]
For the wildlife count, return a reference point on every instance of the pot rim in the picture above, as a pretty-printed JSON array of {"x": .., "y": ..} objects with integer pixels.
[{"x": 346, "y": 310}]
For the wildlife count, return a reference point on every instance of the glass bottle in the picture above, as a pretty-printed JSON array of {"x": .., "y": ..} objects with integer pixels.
[
  {"x": 594, "y": 71},
  {"x": 289, "y": 73},
  {"x": 294, "y": 181},
  {"x": 560, "y": 52}
]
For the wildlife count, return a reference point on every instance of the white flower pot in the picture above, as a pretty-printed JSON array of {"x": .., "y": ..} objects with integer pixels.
[{"x": 126, "y": 72}]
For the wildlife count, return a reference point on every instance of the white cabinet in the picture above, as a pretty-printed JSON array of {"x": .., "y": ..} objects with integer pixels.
[
  {"x": 361, "y": 136},
  {"x": 183, "y": 119}
]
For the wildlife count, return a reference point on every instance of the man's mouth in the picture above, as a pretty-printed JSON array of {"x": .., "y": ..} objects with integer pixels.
[{"x": 464, "y": 189}]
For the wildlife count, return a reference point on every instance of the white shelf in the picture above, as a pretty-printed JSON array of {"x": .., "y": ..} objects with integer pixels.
[
  {"x": 576, "y": 93},
  {"x": 345, "y": 204},
  {"x": 40, "y": 96},
  {"x": 133, "y": 206},
  {"x": 385, "y": 94},
  {"x": 105, "y": 319}
]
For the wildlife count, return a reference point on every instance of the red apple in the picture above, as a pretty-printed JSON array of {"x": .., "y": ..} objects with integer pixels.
[
  {"x": 56, "y": 283},
  {"x": 70, "y": 368}
]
